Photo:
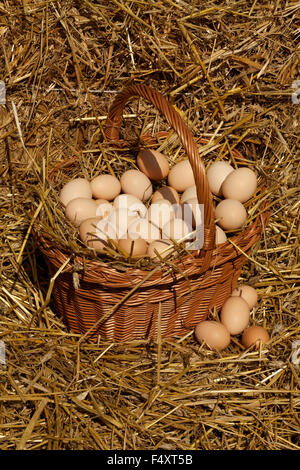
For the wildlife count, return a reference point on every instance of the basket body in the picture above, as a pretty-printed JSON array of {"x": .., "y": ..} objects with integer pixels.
[
  {"x": 141, "y": 316},
  {"x": 95, "y": 300},
  {"x": 169, "y": 307}
]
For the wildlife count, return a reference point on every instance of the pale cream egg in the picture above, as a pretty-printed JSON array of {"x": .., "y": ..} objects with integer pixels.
[
  {"x": 125, "y": 201},
  {"x": 80, "y": 209},
  {"x": 230, "y": 214},
  {"x": 216, "y": 174},
  {"x": 135, "y": 182},
  {"x": 248, "y": 293},
  {"x": 130, "y": 203},
  {"x": 138, "y": 209},
  {"x": 105, "y": 187},
  {"x": 102, "y": 201},
  {"x": 78, "y": 187},
  {"x": 240, "y": 184},
  {"x": 106, "y": 230},
  {"x": 181, "y": 176},
  {"x": 104, "y": 208},
  {"x": 89, "y": 234},
  {"x": 221, "y": 236}
]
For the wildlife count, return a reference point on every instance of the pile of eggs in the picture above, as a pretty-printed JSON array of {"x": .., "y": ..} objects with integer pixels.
[
  {"x": 144, "y": 221},
  {"x": 234, "y": 320}
]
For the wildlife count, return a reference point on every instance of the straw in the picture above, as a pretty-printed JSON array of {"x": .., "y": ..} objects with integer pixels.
[{"x": 229, "y": 70}]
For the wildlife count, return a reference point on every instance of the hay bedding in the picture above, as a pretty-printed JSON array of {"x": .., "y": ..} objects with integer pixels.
[{"x": 229, "y": 68}]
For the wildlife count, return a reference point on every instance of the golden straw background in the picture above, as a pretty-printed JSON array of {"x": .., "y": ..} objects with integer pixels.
[{"x": 231, "y": 70}]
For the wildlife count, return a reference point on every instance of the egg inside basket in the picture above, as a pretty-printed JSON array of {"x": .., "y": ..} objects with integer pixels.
[{"x": 117, "y": 296}]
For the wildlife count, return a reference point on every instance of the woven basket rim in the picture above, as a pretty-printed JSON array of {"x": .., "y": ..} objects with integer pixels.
[{"x": 97, "y": 271}]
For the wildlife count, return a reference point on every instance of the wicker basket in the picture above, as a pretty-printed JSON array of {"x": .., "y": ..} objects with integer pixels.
[{"x": 139, "y": 304}]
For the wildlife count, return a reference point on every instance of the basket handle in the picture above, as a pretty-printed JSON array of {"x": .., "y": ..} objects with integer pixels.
[{"x": 112, "y": 133}]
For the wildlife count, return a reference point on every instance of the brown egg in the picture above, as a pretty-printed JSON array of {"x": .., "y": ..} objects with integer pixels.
[
  {"x": 166, "y": 192},
  {"x": 213, "y": 333},
  {"x": 248, "y": 293},
  {"x": 254, "y": 335},
  {"x": 133, "y": 247},
  {"x": 89, "y": 234},
  {"x": 80, "y": 209},
  {"x": 221, "y": 236},
  {"x": 216, "y": 174},
  {"x": 153, "y": 163},
  {"x": 105, "y": 187},
  {"x": 181, "y": 176},
  {"x": 78, "y": 187},
  {"x": 235, "y": 315},
  {"x": 163, "y": 247},
  {"x": 136, "y": 183},
  {"x": 230, "y": 214},
  {"x": 240, "y": 184}
]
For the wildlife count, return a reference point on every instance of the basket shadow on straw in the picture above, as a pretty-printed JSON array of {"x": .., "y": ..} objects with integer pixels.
[{"x": 98, "y": 300}]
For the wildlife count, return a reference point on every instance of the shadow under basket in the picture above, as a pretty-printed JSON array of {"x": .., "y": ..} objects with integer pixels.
[{"x": 95, "y": 299}]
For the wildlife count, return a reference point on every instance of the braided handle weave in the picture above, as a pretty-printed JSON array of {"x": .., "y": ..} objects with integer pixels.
[{"x": 112, "y": 132}]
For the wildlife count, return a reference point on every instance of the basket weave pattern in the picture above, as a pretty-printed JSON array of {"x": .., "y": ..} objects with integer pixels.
[{"x": 137, "y": 304}]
